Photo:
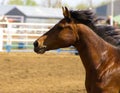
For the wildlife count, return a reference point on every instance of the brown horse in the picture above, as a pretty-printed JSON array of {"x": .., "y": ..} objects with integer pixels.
[{"x": 100, "y": 59}]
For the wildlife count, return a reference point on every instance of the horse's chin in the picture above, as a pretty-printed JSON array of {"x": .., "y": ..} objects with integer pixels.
[{"x": 40, "y": 50}]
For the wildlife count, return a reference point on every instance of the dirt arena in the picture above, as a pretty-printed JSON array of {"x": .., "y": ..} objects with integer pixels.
[{"x": 47, "y": 73}]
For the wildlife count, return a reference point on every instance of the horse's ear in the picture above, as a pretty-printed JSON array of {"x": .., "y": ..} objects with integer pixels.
[
  {"x": 63, "y": 11},
  {"x": 66, "y": 13}
]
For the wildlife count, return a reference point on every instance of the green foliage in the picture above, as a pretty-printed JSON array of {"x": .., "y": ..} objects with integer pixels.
[
  {"x": 21, "y": 2},
  {"x": 31, "y": 2},
  {"x": 15, "y": 2},
  {"x": 82, "y": 6}
]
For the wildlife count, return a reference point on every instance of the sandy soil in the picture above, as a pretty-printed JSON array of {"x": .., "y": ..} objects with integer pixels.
[{"x": 47, "y": 73}]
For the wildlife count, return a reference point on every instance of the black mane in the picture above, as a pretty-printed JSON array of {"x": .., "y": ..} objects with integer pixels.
[
  {"x": 89, "y": 18},
  {"x": 83, "y": 16}
]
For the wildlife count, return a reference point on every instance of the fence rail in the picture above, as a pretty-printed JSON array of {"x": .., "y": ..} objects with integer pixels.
[{"x": 15, "y": 36}]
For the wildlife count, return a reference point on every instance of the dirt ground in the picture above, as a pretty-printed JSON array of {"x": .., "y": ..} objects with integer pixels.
[{"x": 47, "y": 73}]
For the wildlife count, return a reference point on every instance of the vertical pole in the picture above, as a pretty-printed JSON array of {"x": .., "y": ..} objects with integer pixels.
[
  {"x": 91, "y": 6},
  {"x": 1, "y": 39},
  {"x": 49, "y": 3},
  {"x": 24, "y": 2},
  {"x": 9, "y": 38},
  {"x": 112, "y": 12}
]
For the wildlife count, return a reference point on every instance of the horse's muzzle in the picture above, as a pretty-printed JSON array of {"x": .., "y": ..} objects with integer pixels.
[{"x": 40, "y": 49}]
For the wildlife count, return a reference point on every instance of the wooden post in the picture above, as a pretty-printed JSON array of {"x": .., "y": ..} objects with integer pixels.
[{"x": 1, "y": 39}]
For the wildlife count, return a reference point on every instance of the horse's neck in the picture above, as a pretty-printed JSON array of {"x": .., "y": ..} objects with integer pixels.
[{"x": 92, "y": 48}]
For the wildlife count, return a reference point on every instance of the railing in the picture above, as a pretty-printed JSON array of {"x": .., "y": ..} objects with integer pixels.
[{"x": 14, "y": 36}]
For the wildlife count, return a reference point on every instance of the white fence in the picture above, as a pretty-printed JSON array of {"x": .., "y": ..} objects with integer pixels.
[{"x": 14, "y": 36}]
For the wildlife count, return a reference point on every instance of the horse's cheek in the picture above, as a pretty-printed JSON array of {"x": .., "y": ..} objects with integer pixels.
[{"x": 66, "y": 38}]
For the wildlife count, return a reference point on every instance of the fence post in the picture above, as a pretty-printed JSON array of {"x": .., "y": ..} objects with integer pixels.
[
  {"x": 9, "y": 38},
  {"x": 1, "y": 39}
]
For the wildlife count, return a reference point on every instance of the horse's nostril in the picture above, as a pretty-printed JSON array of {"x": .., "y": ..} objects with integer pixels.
[{"x": 35, "y": 44}]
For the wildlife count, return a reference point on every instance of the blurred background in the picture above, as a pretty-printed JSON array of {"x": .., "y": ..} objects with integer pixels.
[
  {"x": 57, "y": 71},
  {"x": 22, "y": 21}
]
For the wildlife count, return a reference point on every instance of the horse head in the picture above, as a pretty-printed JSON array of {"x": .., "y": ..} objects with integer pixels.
[{"x": 60, "y": 36}]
